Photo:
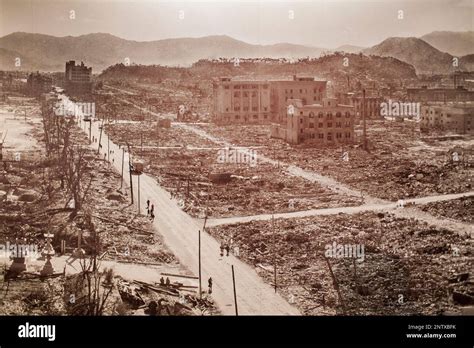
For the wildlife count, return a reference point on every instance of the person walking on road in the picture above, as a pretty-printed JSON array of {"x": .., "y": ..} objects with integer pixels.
[
  {"x": 147, "y": 207},
  {"x": 152, "y": 212},
  {"x": 209, "y": 283}
]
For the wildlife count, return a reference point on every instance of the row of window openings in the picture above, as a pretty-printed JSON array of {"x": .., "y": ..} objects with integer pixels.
[
  {"x": 329, "y": 135},
  {"x": 246, "y": 108},
  {"x": 304, "y": 99},
  {"x": 306, "y": 91},
  {"x": 247, "y": 87},
  {"x": 338, "y": 125},
  {"x": 245, "y": 94},
  {"x": 328, "y": 115},
  {"x": 237, "y": 117}
]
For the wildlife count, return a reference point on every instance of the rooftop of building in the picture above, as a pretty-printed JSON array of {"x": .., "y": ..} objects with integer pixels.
[
  {"x": 425, "y": 88},
  {"x": 257, "y": 79},
  {"x": 298, "y": 103}
]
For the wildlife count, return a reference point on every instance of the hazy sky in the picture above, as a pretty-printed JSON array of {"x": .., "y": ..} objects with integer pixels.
[{"x": 322, "y": 23}]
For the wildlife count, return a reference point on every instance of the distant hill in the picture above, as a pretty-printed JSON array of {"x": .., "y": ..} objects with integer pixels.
[
  {"x": 102, "y": 50},
  {"x": 348, "y": 49},
  {"x": 361, "y": 67},
  {"x": 467, "y": 62},
  {"x": 99, "y": 50},
  {"x": 454, "y": 43},
  {"x": 424, "y": 57}
]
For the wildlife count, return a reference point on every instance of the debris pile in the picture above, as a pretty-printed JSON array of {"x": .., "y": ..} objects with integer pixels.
[
  {"x": 461, "y": 209},
  {"x": 250, "y": 188},
  {"x": 405, "y": 267}
]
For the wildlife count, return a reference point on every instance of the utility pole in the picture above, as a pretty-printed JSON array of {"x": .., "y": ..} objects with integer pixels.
[
  {"x": 108, "y": 146},
  {"x": 274, "y": 255},
  {"x": 130, "y": 170},
  {"x": 123, "y": 158},
  {"x": 363, "y": 118},
  {"x": 100, "y": 136},
  {"x": 199, "y": 256},
  {"x": 139, "y": 212},
  {"x": 235, "y": 292}
]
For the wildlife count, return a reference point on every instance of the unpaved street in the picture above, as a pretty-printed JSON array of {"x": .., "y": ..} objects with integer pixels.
[{"x": 180, "y": 233}]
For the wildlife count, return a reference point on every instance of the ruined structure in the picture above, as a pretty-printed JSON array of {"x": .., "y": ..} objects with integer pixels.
[
  {"x": 77, "y": 79},
  {"x": 328, "y": 123},
  {"x": 260, "y": 102},
  {"x": 372, "y": 104},
  {"x": 425, "y": 94},
  {"x": 450, "y": 118}
]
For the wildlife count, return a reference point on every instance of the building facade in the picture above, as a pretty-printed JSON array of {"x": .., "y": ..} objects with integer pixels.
[
  {"x": 328, "y": 123},
  {"x": 306, "y": 89},
  {"x": 78, "y": 78},
  {"x": 448, "y": 118},
  {"x": 425, "y": 94},
  {"x": 372, "y": 104},
  {"x": 242, "y": 102},
  {"x": 260, "y": 102}
]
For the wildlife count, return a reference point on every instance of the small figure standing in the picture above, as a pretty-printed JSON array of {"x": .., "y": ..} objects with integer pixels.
[
  {"x": 168, "y": 281},
  {"x": 209, "y": 283},
  {"x": 147, "y": 207},
  {"x": 222, "y": 249},
  {"x": 227, "y": 249}
]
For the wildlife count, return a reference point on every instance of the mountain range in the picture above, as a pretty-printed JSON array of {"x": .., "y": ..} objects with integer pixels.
[{"x": 433, "y": 53}]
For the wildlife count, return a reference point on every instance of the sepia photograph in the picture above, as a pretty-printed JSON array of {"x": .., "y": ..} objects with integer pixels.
[{"x": 233, "y": 162}]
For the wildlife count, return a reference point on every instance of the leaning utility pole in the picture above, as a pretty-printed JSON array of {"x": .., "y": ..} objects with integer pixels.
[
  {"x": 100, "y": 135},
  {"x": 235, "y": 292}
]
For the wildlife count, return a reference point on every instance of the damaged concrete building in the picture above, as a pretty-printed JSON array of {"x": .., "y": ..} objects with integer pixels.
[
  {"x": 440, "y": 94},
  {"x": 77, "y": 78},
  {"x": 450, "y": 118},
  {"x": 328, "y": 123},
  {"x": 261, "y": 101},
  {"x": 372, "y": 104}
]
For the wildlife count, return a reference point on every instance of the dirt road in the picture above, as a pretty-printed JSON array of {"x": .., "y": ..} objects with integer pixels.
[
  {"x": 180, "y": 233},
  {"x": 372, "y": 203},
  {"x": 407, "y": 212}
]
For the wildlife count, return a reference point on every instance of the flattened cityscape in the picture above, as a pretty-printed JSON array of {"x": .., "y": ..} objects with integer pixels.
[{"x": 212, "y": 176}]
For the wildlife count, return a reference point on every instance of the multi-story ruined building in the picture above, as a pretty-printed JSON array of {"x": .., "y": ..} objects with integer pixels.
[
  {"x": 306, "y": 89},
  {"x": 448, "y": 118},
  {"x": 425, "y": 94},
  {"x": 77, "y": 78},
  {"x": 372, "y": 104},
  {"x": 326, "y": 123},
  {"x": 258, "y": 102}
]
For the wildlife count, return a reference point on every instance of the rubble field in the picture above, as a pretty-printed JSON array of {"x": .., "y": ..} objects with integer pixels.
[
  {"x": 34, "y": 202},
  {"x": 184, "y": 165},
  {"x": 401, "y": 162},
  {"x": 406, "y": 267},
  {"x": 461, "y": 209}
]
